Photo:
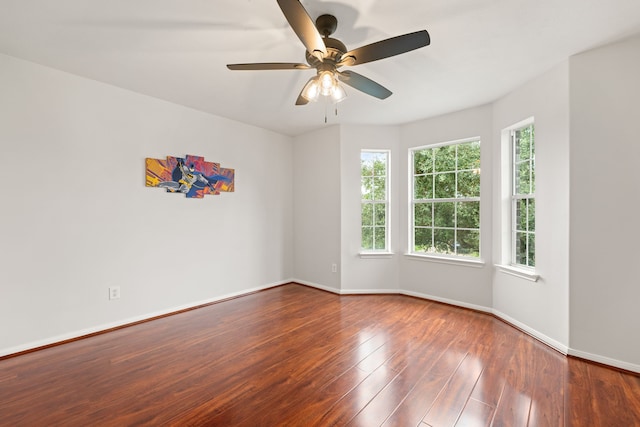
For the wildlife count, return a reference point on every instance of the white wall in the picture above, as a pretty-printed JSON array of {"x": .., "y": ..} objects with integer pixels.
[
  {"x": 77, "y": 218},
  {"x": 316, "y": 194},
  {"x": 358, "y": 274},
  {"x": 463, "y": 285},
  {"x": 605, "y": 189},
  {"x": 540, "y": 307}
]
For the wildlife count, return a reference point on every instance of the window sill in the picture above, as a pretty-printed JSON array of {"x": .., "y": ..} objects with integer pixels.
[
  {"x": 376, "y": 255},
  {"x": 466, "y": 262},
  {"x": 519, "y": 272}
]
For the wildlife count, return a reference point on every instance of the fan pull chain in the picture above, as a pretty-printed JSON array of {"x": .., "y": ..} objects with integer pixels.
[{"x": 325, "y": 112}]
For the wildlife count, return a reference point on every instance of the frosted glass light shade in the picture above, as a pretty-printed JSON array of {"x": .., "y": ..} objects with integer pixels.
[
  {"x": 338, "y": 94},
  {"x": 311, "y": 90}
]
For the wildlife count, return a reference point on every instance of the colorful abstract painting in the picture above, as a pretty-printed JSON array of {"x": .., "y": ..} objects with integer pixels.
[{"x": 190, "y": 175}]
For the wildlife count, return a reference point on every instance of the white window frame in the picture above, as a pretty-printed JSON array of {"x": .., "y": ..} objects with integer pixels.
[
  {"x": 386, "y": 201},
  {"x": 517, "y": 197},
  {"x": 510, "y": 199},
  {"x": 434, "y": 256}
]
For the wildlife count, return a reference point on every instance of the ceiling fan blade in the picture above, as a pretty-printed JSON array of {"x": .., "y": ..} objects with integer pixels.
[
  {"x": 268, "y": 66},
  {"x": 364, "y": 84},
  {"x": 303, "y": 26},
  {"x": 386, "y": 48}
]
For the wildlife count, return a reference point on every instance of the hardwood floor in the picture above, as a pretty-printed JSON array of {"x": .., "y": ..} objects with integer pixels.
[{"x": 297, "y": 356}]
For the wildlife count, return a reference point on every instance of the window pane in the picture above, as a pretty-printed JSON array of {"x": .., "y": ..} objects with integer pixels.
[
  {"x": 468, "y": 214},
  {"x": 379, "y": 188},
  {"x": 523, "y": 179},
  {"x": 423, "y": 161},
  {"x": 468, "y": 243},
  {"x": 520, "y": 253},
  {"x": 367, "y": 214},
  {"x": 379, "y": 238},
  {"x": 521, "y": 215},
  {"x": 423, "y": 187},
  {"x": 366, "y": 188},
  {"x": 443, "y": 241},
  {"x": 469, "y": 155},
  {"x": 367, "y": 238},
  {"x": 445, "y": 184},
  {"x": 380, "y": 214},
  {"x": 444, "y": 214},
  {"x": 532, "y": 143},
  {"x": 532, "y": 214},
  {"x": 533, "y": 177},
  {"x": 532, "y": 250},
  {"x": 422, "y": 239},
  {"x": 422, "y": 214},
  {"x": 524, "y": 142},
  {"x": 380, "y": 164},
  {"x": 366, "y": 164},
  {"x": 468, "y": 184},
  {"x": 445, "y": 158}
]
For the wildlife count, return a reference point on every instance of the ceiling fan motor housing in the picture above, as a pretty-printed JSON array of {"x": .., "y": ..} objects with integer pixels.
[
  {"x": 326, "y": 25},
  {"x": 335, "y": 50}
]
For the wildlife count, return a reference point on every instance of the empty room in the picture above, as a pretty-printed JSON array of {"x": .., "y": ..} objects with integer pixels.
[{"x": 316, "y": 213}]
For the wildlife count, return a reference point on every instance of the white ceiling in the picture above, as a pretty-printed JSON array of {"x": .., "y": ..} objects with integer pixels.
[{"x": 177, "y": 50}]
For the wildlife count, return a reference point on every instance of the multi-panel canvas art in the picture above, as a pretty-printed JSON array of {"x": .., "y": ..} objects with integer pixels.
[{"x": 190, "y": 175}]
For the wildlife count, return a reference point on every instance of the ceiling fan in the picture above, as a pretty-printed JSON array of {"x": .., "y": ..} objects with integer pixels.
[{"x": 327, "y": 55}]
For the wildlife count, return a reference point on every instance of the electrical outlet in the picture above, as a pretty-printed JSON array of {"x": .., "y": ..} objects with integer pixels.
[
  {"x": 334, "y": 268},
  {"x": 114, "y": 292}
]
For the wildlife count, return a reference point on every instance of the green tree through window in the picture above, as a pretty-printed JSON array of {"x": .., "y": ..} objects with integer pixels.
[
  {"x": 374, "y": 182},
  {"x": 446, "y": 199}
]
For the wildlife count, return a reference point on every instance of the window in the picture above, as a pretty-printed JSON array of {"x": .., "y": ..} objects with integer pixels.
[
  {"x": 374, "y": 188},
  {"x": 445, "y": 203},
  {"x": 523, "y": 202}
]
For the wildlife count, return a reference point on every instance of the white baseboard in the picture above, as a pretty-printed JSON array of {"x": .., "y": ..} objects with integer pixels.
[
  {"x": 556, "y": 345},
  {"x": 369, "y": 292},
  {"x": 317, "y": 286},
  {"x": 446, "y": 301},
  {"x": 605, "y": 360},
  {"x": 347, "y": 291},
  {"x": 124, "y": 322}
]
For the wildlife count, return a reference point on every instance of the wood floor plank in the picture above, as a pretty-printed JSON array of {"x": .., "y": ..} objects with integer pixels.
[
  {"x": 498, "y": 344},
  {"x": 297, "y": 356},
  {"x": 547, "y": 395},
  {"x": 513, "y": 408},
  {"x": 417, "y": 402},
  {"x": 449, "y": 404},
  {"x": 475, "y": 414}
]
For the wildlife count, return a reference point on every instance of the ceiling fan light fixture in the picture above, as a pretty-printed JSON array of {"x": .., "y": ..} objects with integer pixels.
[
  {"x": 338, "y": 94},
  {"x": 327, "y": 83},
  {"x": 311, "y": 90}
]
